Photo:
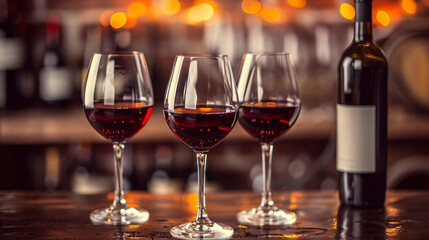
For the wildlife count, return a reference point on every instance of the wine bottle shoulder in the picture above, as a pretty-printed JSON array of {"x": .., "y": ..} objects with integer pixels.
[
  {"x": 368, "y": 54},
  {"x": 362, "y": 75}
]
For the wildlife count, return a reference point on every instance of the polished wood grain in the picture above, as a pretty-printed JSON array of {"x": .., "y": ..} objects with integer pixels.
[{"x": 60, "y": 215}]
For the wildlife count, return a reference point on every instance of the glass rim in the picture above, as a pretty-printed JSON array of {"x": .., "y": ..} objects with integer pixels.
[
  {"x": 118, "y": 53},
  {"x": 202, "y": 55},
  {"x": 268, "y": 54}
]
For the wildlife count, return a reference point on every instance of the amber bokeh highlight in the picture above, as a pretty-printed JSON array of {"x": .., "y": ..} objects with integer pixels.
[
  {"x": 347, "y": 11},
  {"x": 118, "y": 20},
  {"x": 170, "y": 7},
  {"x": 131, "y": 22},
  {"x": 383, "y": 18},
  {"x": 251, "y": 6},
  {"x": 105, "y": 18},
  {"x": 409, "y": 6},
  {"x": 272, "y": 15},
  {"x": 200, "y": 12},
  {"x": 297, "y": 3},
  {"x": 136, "y": 9}
]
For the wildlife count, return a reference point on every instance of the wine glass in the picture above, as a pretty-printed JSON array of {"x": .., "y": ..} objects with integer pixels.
[
  {"x": 118, "y": 100},
  {"x": 200, "y": 108},
  {"x": 269, "y": 106}
]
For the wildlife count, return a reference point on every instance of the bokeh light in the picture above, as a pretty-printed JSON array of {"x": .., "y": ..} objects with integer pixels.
[
  {"x": 409, "y": 6},
  {"x": 383, "y": 18},
  {"x": 347, "y": 11},
  {"x": 118, "y": 20},
  {"x": 251, "y": 6},
  {"x": 105, "y": 18},
  {"x": 131, "y": 22},
  {"x": 170, "y": 7},
  {"x": 297, "y": 3},
  {"x": 200, "y": 12},
  {"x": 136, "y": 9},
  {"x": 272, "y": 15}
]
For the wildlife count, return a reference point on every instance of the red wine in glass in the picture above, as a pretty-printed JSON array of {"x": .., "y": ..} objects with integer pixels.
[
  {"x": 270, "y": 104},
  {"x": 267, "y": 120},
  {"x": 200, "y": 109},
  {"x": 203, "y": 127},
  {"x": 118, "y": 100},
  {"x": 118, "y": 122}
]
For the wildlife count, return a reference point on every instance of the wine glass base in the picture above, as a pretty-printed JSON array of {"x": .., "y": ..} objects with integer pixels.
[
  {"x": 123, "y": 216},
  {"x": 202, "y": 231},
  {"x": 260, "y": 217}
]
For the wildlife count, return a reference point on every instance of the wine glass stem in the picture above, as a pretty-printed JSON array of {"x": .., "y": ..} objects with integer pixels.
[
  {"x": 267, "y": 153},
  {"x": 202, "y": 217},
  {"x": 119, "y": 201}
]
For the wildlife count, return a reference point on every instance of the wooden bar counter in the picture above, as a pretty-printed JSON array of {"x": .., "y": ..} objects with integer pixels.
[{"x": 61, "y": 215}]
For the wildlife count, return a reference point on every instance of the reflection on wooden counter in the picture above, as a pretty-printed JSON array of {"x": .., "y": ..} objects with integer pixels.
[{"x": 61, "y": 215}]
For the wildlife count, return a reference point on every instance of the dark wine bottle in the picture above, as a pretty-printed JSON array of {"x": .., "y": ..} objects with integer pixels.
[
  {"x": 56, "y": 87},
  {"x": 362, "y": 117},
  {"x": 16, "y": 82}
]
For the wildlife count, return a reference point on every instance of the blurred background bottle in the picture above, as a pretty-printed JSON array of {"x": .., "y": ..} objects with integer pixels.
[
  {"x": 56, "y": 86},
  {"x": 16, "y": 79}
]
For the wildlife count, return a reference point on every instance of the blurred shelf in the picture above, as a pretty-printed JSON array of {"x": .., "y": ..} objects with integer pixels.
[{"x": 70, "y": 125}]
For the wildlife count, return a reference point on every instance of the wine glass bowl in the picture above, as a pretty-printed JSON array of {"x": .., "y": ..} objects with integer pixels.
[
  {"x": 269, "y": 106},
  {"x": 267, "y": 120},
  {"x": 118, "y": 123},
  {"x": 118, "y": 100},
  {"x": 200, "y": 108}
]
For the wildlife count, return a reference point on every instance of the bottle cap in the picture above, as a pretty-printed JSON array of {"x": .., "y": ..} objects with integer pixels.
[{"x": 363, "y": 10}]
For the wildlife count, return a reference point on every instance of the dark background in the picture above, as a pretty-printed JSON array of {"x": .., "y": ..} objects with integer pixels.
[{"x": 51, "y": 146}]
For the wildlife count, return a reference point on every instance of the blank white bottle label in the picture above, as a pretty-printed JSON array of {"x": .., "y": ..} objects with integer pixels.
[
  {"x": 356, "y": 138},
  {"x": 55, "y": 84}
]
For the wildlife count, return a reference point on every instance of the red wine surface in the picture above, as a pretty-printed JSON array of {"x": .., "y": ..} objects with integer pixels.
[
  {"x": 119, "y": 122},
  {"x": 201, "y": 128},
  {"x": 267, "y": 120}
]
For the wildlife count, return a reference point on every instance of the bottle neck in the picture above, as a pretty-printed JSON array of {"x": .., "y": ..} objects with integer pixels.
[
  {"x": 363, "y": 21},
  {"x": 52, "y": 33}
]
